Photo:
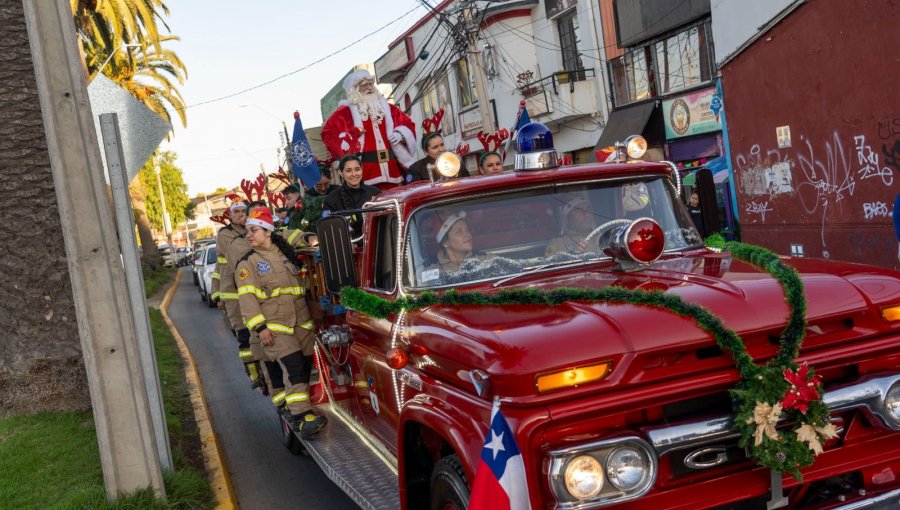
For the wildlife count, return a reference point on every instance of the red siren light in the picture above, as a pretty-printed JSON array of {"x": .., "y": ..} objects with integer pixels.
[
  {"x": 645, "y": 240},
  {"x": 639, "y": 243}
]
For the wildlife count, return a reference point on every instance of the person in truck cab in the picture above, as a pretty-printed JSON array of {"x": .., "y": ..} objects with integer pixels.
[
  {"x": 578, "y": 220},
  {"x": 455, "y": 239}
]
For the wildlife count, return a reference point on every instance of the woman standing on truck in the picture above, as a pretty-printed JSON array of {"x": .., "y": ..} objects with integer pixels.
[
  {"x": 433, "y": 146},
  {"x": 352, "y": 194},
  {"x": 268, "y": 291}
]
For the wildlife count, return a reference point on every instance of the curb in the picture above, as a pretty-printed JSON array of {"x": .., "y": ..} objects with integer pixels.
[{"x": 222, "y": 489}]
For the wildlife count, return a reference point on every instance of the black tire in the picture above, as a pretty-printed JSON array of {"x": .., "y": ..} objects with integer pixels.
[
  {"x": 196, "y": 280},
  {"x": 449, "y": 488},
  {"x": 210, "y": 302}
]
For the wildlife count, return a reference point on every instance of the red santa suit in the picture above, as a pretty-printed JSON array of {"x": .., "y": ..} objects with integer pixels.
[{"x": 345, "y": 132}]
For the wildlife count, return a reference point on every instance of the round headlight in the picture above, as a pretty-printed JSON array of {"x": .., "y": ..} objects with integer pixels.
[
  {"x": 584, "y": 477},
  {"x": 626, "y": 468},
  {"x": 448, "y": 164},
  {"x": 635, "y": 146},
  {"x": 892, "y": 403}
]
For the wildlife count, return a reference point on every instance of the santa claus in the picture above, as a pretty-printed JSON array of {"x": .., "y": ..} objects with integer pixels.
[{"x": 366, "y": 124}]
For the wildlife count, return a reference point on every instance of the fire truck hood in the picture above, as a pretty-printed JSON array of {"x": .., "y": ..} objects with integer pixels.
[{"x": 521, "y": 341}]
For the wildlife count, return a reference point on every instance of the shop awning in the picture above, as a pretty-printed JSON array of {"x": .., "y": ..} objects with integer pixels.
[{"x": 625, "y": 122}]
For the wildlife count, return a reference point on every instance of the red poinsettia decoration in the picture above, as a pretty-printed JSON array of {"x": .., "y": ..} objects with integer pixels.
[{"x": 803, "y": 389}]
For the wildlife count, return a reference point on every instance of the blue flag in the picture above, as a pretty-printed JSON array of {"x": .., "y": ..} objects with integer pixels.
[
  {"x": 523, "y": 119},
  {"x": 303, "y": 161}
]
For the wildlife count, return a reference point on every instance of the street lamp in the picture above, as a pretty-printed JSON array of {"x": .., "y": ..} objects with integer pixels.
[{"x": 113, "y": 52}]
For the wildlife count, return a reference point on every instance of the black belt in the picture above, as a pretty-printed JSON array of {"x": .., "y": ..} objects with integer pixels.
[{"x": 379, "y": 156}]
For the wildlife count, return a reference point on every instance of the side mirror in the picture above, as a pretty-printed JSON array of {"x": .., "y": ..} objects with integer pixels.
[{"x": 336, "y": 250}]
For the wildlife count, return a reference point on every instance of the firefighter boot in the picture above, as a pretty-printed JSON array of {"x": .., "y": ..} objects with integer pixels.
[{"x": 308, "y": 424}]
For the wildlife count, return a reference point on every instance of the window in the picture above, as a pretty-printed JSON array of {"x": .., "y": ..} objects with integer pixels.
[
  {"x": 465, "y": 89},
  {"x": 676, "y": 62},
  {"x": 631, "y": 77},
  {"x": 435, "y": 96},
  {"x": 569, "y": 38},
  {"x": 384, "y": 273},
  {"x": 682, "y": 60}
]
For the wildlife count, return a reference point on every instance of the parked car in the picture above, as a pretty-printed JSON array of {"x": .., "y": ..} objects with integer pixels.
[
  {"x": 167, "y": 255},
  {"x": 205, "y": 271},
  {"x": 196, "y": 258},
  {"x": 603, "y": 401},
  {"x": 182, "y": 256}
]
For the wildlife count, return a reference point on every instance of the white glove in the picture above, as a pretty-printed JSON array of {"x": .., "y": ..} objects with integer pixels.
[{"x": 395, "y": 138}]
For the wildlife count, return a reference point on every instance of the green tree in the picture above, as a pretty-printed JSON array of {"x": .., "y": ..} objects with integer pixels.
[{"x": 178, "y": 204}]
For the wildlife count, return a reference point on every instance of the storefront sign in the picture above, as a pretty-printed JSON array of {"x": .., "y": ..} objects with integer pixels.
[
  {"x": 470, "y": 122},
  {"x": 692, "y": 114}
]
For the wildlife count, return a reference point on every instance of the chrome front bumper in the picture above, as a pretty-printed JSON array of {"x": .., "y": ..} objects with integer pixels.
[
  {"x": 880, "y": 502},
  {"x": 867, "y": 394}
]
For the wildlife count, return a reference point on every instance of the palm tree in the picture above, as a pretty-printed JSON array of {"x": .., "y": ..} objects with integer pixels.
[
  {"x": 148, "y": 75},
  {"x": 103, "y": 27}
]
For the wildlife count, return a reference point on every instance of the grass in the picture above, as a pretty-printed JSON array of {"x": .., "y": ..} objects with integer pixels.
[
  {"x": 155, "y": 279},
  {"x": 51, "y": 460}
]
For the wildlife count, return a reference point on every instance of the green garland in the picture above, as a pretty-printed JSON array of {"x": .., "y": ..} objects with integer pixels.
[
  {"x": 306, "y": 218},
  {"x": 761, "y": 388}
]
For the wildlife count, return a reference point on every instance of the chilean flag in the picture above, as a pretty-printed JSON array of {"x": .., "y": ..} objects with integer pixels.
[{"x": 500, "y": 478}]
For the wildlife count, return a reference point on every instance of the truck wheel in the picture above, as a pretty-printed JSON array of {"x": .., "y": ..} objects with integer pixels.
[{"x": 449, "y": 488}]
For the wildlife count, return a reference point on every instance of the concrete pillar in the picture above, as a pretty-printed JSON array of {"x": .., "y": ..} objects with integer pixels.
[{"x": 128, "y": 449}]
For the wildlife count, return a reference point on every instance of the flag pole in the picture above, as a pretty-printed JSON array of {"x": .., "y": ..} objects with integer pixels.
[{"x": 513, "y": 129}]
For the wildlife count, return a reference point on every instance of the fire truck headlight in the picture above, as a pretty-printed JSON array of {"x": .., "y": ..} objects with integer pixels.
[
  {"x": 584, "y": 477},
  {"x": 892, "y": 403},
  {"x": 627, "y": 468}
]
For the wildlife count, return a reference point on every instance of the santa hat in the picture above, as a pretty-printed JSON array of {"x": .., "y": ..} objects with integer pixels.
[
  {"x": 238, "y": 204},
  {"x": 447, "y": 223},
  {"x": 355, "y": 77},
  {"x": 261, "y": 217}
]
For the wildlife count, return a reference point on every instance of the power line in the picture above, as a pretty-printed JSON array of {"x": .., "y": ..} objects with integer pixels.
[{"x": 291, "y": 73}]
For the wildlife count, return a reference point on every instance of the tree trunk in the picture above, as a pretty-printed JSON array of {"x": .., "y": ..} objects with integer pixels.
[
  {"x": 41, "y": 365},
  {"x": 149, "y": 250}
]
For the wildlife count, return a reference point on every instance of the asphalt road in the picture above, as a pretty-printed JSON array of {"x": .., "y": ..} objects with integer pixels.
[{"x": 265, "y": 475}]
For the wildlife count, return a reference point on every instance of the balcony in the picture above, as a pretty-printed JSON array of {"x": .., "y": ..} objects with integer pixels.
[{"x": 560, "y": 97}]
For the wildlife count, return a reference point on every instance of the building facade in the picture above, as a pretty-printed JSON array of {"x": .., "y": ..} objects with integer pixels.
[
  {"x": 544, "y": 53},
  {"x": 813, "y": 112}
]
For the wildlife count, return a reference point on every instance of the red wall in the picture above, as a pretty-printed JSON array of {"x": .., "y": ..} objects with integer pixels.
[{"x": 830, "y": 71}]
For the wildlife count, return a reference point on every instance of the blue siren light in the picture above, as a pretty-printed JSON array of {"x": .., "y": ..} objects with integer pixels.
[{"x": 534, "y": 144}]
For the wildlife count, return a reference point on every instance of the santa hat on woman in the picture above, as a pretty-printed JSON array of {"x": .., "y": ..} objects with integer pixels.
[{"x": 261, "y": 217}]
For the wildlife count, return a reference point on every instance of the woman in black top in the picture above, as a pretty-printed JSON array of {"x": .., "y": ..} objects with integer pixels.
[
  {"x": 433, "y": 145},
  {"x": 352, "y": 194}
]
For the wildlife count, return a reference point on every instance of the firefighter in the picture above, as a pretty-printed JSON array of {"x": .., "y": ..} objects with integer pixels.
[
  {"x": 269, "y": 294},
  {"x": 224, "y": 290},
  {"x": 272, "y": 379}
]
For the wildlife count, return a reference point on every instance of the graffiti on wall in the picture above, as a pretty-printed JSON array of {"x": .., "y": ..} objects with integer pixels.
[
  {"x": 758, "y": 208},
  {"x": 869, "y": 160},
  {"x": 760, "y": 175},
  {"x": 823, "y": 174},
  {"x": 875, "y": 210}
]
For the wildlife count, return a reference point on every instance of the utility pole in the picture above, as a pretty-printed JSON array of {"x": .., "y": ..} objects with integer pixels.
[
  {"x": 106, "y": 323},
  {"x": 167, "y": 224},
  {"x": 473, "y": 27}
]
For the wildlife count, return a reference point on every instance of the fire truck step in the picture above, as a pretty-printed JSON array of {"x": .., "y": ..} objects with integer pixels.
[{"x": 352, "y": 464}]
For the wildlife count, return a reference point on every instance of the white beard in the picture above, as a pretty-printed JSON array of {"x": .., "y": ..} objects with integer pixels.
[{"x": 369, "y": 105}]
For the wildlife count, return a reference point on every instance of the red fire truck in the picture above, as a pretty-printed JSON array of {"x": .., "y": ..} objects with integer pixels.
[{"x": 617, "y": 405}]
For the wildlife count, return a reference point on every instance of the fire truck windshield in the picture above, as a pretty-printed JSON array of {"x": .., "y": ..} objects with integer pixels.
[{"x": 495, "y": 236}]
